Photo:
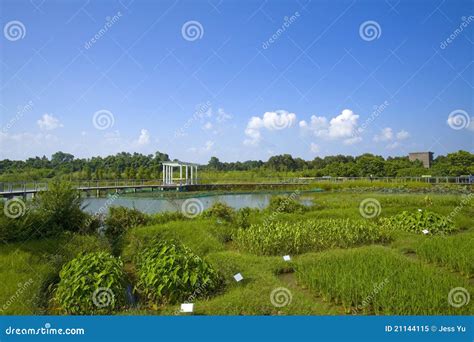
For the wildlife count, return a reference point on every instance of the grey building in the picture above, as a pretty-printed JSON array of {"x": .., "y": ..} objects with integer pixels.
[{"x": 425, "y": 157}]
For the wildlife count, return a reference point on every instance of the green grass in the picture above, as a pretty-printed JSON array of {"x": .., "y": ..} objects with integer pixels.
[
  {"x": 424, "y": 263},
  {"x": 377, "y": 280},
  {"x": 454, "y": 252},
  {"x": 28, "y": 269}
]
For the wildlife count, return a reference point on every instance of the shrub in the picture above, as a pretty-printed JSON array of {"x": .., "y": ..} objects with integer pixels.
[
  {"x": 418, "y": 221},
  {"x": 221, "y": 211},
  {"x": 168, "y": 272},
  {"x": 120, "y": 219},
  {"x": 279, "y": 238},
  {"x": 58, "y": 209},
  {"x": 242, "y": 219},
  {"x": 92, "y": 283},
  {"x": 282, "y": 204},
  {"x": 167, "y": 216}
]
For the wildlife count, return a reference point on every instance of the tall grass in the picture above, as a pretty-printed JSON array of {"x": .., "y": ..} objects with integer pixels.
[
  {"x": 280, "y": 238},
  {"x": 376, "y": 280},
  {"x": 454, "y": 252}
]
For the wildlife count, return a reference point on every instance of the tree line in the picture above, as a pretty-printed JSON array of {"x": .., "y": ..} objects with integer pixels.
[{"x": 138, "y": 166}]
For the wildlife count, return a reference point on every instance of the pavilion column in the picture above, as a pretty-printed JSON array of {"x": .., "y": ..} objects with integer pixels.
[
  {"x": 164, "y": 174},
  {"x": 186, "y": 174},
  {"x": 192, "y": 179},
  {"x": 171, "y": 179}
]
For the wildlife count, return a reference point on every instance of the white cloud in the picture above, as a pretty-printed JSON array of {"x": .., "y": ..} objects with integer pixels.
[
  {"x": 207, "y": 126},
  {"x": 48, "y": 122},
  {"x": 271, "y": 121},
  {"x": 222, "y": 116},
  {"x": 144, "y": 138},
  {"x": 393, "y": 145},
  {"x": 402, "y": 135},
  {"x": 342, "y": 126},
  {"x": 352, "y": 141},
  {"x": 314, "y": 148},
  {"x": 386, "y": 134},
  {"x": 204, "y": 149}
]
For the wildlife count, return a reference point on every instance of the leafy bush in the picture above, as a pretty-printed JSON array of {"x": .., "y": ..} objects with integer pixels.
[
  {"x": 418, "y": 221},
  {"x": 52, "y": 212},
  {"x": 93, "y": 283},
  {"x": 167, "y": 216},
  {"x": 242, "y": 219},
  {"x": 282, "y": 204},
  {"x": 279, "y": 238},
  {"x": 120, "y": 219},
  {"x": 168, "y": 272},
  {"x": 221, "y": 211},
  {"x": 58, "y": 209}
]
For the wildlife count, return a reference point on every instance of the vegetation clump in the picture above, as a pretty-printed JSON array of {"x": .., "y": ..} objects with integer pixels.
[
  {"x": 279, "y": 238},
  {"x": 168, "y": 272},
  {"x": 92, "y": 283},
  {"x": 419, "y": 221},
  {"x": 283, "y": 204},
  {"x": 221, "y": 211}
]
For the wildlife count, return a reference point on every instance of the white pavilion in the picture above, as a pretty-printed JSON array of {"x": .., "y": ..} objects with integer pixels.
[{"x": 190, "y": 173}]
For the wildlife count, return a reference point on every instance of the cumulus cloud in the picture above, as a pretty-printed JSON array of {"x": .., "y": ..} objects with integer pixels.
[
  {"x": 314, "y": 148},
  {"x": 387, "y": 135},
  {"x": 343, "y": 126},
  {"x": 48, "y": 122},
  {"x": 144, "y": 138},
  {"x": 402, "y": 135},
  {"x": 271, "y": 121}
]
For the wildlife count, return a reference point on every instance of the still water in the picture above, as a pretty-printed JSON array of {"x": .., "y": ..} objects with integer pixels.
[{"x": 152, "y": 205}]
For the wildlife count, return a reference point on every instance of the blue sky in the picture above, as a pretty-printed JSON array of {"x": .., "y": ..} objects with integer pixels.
[{"x": 236, "y": 79}]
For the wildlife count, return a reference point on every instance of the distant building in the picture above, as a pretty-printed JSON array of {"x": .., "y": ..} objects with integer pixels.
[{"x": 425, "y": 157}]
